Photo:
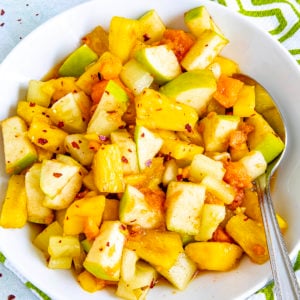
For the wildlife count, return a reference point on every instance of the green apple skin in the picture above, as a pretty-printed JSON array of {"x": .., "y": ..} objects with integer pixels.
[
  {"x": 194, "y": 88},
  {"x": 104, "y": 258},
  {"x": 77, "y": 61},
  {"x": 19, "y": 152},
  {"x": 190, "y": 196},
  {"x": 135, "y": 210},
  {"x": 160, "y": 61},
  {"x": 108, "y": 114},
  {"x": 148, "y": 145}
]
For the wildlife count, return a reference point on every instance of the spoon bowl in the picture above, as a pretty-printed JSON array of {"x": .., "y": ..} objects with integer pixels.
[{"x": 285, "y": 282}]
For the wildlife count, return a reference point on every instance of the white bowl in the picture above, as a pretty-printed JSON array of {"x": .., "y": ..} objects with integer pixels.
[{"x": 258, "y": 56}]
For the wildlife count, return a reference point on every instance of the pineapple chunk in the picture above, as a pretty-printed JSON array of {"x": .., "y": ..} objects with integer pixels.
[{"x": 63, "y": 246}]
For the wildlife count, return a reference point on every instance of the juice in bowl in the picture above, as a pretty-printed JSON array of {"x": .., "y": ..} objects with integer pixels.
[{"x": 79, "y": 147}]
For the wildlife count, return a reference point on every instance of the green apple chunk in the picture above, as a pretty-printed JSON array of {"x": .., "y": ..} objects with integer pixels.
[
  {"x": 136, "y": 210},
  {"x": 39, "y": 92},
  {"x": 152, "y": 27},
  {"x": 78, "y": 146},
  {"x": 148, "y": 145},
  {"x": 263, "y": 138},
  {"x": 217, "y": 130},
  {"x": 254, "y": 163},
  {"x": 104, "y": 258},
  {"x": 194, "y": 88},
  {"x": 76, "y": 63},
  {"x": 70, "y": 112},
  {"x": 135, "y": 76},
  {"x": 19, "y": 152},
  {"x": 203, "y": 165},
  {"x": 160, "y": 61},
  {"x": 36, "y": 211},
  {"x": 212, "y": 215},
  {"x": 153, "y": 109},
  {"x": 60, "y": 182},
  {"x": 108, "y": 114},
  {"x": 128, "y": 150},
  {"x": 203, "y": 52},
  {"x": 181, "y": 273},
  {"x": 189, "y": 196}
]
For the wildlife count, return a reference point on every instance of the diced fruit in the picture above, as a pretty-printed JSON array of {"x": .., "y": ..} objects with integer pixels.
[
  {"x": 123, "y": 35},
  {"x": 135, "y": 76},
  {"x": 63, "y": 262},
  {"x": 214, "y": 256},
  {"x": 148, "y": 145},
  {"x": 160, "y": 61},
  {"x": 217, "y": 130},
  {"x": 78, "y": 146},
  {"x": 41, "y": 241},
  {"x": 154, "y": 108},
  {"x": 250, "y": 235},
  {"x": 14, "y": 209},
  {"x": 128, "y": 265},
  {"x": 205, "y": 49},
  {"x": 137, "y": 209},
  {"x": 194, "y": 88},
  {"x": 228, "y": 66},
  {"x": 90, "y": 283},
  {"x": 159, "y": 248},
  {"x": 19, "y": 152},
  {"x": 263, "y": 138},
  {"x": 39, "y": 92},
  {"x": 60, "y": 183},
  {"x": 108, "y": 114},
  {"x": 108, "y": 169},
  {"x": 222, "y": 190},
  {"x": 77, "y": 61},
  {"x": 151, "y": 27},
  {"x": 203, "y": 165},
  {"x": 111, "y": 210},
  {"x": 245, "y": 105},
  {"x": 181, "y": 273},
  {"x": 128, "y": 150},
  {"x": 46, "y": 136},
  {"x": 63, "y": 246},
  {"x": 254, "y": 163},
  {"x": 170, "y": 173},
  {"x": 104, "y": 258},
  {"x": 37, "y": 212},
  {"x": 190, "y": 196},
  {"x": 27, "y": 110},
  {"x": 212, "y": 215},
  {"x": 84, "y": 213},
  {"x": 71, "y": 112}
]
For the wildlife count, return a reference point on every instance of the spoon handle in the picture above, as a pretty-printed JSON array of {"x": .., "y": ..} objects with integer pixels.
[{"x": 285, "y": 281}]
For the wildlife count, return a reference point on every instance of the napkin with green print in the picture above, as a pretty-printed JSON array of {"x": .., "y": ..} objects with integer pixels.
[{"x": 281, "y": 18}]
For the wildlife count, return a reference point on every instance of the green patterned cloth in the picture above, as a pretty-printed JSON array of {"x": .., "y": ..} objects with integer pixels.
[{"x": 281, "y": 18}]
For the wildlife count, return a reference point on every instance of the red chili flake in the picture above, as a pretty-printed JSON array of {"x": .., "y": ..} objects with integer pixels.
[
  {"x": 103, "y": 138},
  {"x": 32, "y": 104},
  {"x": 2, "y": 12},
  {"x": 124, "y": 159},
  {"x": 188, "y": 127},
  {"x": 123, "y": 227},
  {"x": 42, "y": 141},
  {"x": 146, "y": 37},
  {"x": 60, "y": 124},
  {"x": 148, "y": 162},
  {"x": 100, "y": 249},
  {"x": 246, "y": 219},
  {"x": 143, "y": 134},
  {"x": 75, "y": 145},
  {"x": 107, "y": 244},
  {"x": 179, "y": 177},
  {"x": 60, "y": 241},
  {"x": 57, "y": 175},
  {"x": 152, "y": 284}
]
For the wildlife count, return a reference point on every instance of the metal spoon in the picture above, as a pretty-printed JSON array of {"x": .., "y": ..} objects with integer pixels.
[{"x": 285, "y": 282}]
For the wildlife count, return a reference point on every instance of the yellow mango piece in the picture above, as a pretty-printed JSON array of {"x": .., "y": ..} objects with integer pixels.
[
  {"x": 283, "y": 225},
  {"x": 251, "y": 203},
  {"x": 250, "y": 235},
  {"x": 46, "y": 136},
  {"x": 214, "y": 256},
  {"x": 89, "y": 282},
  {"x": 84, "y": 213},
  {"x": 62, "y": 86},
  {"x": 14, "y": 209},
  {"x": 108, "y": 169},
  {"x": 154, "y": 108},
  {"x": 159, "y": 248},
  {"x": 27, "y": 110},
  {"x": 244, "y": 106},
  {"x": 228, "y": 66}
]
